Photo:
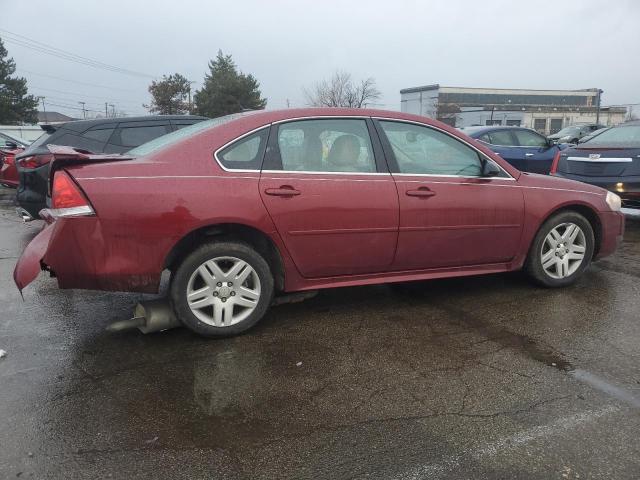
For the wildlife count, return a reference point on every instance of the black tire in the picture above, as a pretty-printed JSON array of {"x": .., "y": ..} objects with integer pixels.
[
  {"x": 574, "y": 141},
  {"x": 533, "y": 264},
  {"x": 180, "y": 281}
]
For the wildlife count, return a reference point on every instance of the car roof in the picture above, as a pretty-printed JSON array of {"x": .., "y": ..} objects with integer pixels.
[{"x": 82, "y": 125}]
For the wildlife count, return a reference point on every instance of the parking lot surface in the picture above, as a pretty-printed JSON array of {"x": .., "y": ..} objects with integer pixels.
[{"x": 484, "y": 377}]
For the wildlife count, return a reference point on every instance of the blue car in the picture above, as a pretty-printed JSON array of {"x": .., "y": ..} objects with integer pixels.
[{"x": 523, "y": 148}]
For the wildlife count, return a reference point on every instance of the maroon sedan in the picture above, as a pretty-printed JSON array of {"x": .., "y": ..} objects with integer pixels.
[
  {"x": 9, "y": 148},
  {"x": 245, "y": 207}
]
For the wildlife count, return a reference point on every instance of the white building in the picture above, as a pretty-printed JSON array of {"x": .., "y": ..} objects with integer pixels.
[{"x": 546, "y": 111}]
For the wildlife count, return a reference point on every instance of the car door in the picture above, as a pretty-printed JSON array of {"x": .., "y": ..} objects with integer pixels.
[
  {"x": 538, "y": 151},
  {"x": 450, "y": 215},
  {"x": 504, "y": 144},
  {"x": 325, "y": 186}
]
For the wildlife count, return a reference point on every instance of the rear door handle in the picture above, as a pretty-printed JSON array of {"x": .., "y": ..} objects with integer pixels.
[
  {"x": 528, "y": 154},
  {"x": 421, "y": 192},
  {"x": 283, "y": 191}
]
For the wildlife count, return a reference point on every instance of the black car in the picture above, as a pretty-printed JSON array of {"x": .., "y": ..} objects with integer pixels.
[
  {"x": 610, "y": 160},
  {"x": 105, "y": 135}
]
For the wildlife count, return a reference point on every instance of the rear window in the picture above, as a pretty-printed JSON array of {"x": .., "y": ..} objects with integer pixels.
[
  {"x": 186, "y": 132},
  {"x": 135, "y": 136},
  {"x": 39, "y": 142}
]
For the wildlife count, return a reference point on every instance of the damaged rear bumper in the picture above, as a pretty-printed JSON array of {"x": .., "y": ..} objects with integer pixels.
[
  {"x": 30, "y": 262},
  {"x": 75, "y": 252}
]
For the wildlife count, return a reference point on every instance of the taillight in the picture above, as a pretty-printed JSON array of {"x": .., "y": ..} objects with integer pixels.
[
  {"x": 554, "y": 164},
  {"x": 67, "y": 198},
  {"x": 35, "y": 161}
]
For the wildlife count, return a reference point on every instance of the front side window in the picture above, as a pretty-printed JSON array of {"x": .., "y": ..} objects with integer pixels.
[
  {"x": 529, "y": 139},
  {"x": 246, "y": 153},
  {"x": 423, "y": 150},
  {"x": 501, "y": 137},
  {"x": 326, "y": 145}
]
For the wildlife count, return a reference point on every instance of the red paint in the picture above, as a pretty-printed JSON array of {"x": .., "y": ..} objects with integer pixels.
[
  {"x": 8, "y": 170},
  {"x": 329, "y": 229}
]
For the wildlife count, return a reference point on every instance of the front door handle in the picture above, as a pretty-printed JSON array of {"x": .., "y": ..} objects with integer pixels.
[
  {"x": 421, "y": 192},
  {"x": 528, "y": 154},
  {"x": 283, "y": 191}
]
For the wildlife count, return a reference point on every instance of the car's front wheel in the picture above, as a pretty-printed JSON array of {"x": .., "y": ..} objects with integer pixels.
[
  {"x": 561, "y": 251},
  {"x": 221, "y": 289}
]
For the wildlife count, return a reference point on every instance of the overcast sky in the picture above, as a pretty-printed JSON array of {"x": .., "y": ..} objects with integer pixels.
[{"x": 289, "y": 44}]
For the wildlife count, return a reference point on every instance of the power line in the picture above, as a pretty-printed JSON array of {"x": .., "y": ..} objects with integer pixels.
[
  {"x": 65, "y": 55},
  {"x": 76, "y": 94},
  {"x": 73, "y": 81}
]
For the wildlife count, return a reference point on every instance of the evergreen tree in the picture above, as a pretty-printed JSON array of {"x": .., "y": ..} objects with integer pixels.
[
  {"x": 169, "y": 96},
  {"x": 226, "y": 90},
  {"x": 16, "y": 106}
]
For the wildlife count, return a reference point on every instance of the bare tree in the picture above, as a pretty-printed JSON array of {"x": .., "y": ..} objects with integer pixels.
[{"x": 341, "y": 91}]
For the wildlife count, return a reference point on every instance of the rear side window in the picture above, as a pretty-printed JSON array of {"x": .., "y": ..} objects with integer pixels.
[
  {"x": 99, "y": 134},
  {"x": 135, "y": 136},
  {"x": 246, "y": 153}
]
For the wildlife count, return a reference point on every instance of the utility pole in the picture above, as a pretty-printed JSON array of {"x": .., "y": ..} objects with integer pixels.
[
  {"x": 44, "y": 109},
  {"x": 189, "y": 92},
  {"x": 113, "y": 109},
  {"x": 106, "y": 111},
  {"x": 288, "y": 105},
  {"x": 84, "y": 112},
  {"x": 600, "y": 92}
]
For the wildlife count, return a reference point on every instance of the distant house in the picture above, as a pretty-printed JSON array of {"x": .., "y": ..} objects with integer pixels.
[
  {"x": 53, "y": 117},
  {"x": 546, "y": 111}
]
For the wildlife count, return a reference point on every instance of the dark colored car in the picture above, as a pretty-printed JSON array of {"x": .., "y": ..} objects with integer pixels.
[
  {"x": 9, "y": 148},
  {"x": 105, "y": 135},
  {"x": 245, "y": 207},
  {"x": 611, "y": 161},
  {"x": 573, "y": 133},
  {"x": 523, "y": 148}
]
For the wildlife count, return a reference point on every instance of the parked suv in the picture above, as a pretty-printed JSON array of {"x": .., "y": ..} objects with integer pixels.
[
  {"x": 105, "y": 135},
  {"x": 573, "y": 133}
]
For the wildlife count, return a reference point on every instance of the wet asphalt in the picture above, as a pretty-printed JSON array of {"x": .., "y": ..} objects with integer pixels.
[{"x": 486, "y": 377}]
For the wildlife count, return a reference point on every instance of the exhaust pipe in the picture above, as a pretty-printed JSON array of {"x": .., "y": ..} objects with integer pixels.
[
  {"x": 26, "y": 216},
  {"x": 148, "y": 317}
]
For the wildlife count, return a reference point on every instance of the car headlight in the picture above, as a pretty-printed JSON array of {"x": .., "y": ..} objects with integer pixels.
[{"x": 614, "y": 201}]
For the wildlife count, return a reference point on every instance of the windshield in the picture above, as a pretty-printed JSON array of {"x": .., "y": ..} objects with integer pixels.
[
  {"x": 173, "y": 137},
  {"x": 622, "y": 136}
]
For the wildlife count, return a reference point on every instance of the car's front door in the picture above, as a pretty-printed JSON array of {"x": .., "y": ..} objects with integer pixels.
[
  {"x": 325, "y": 186},
  {"x": 537, "y": 150},
  {"x": 450, "y": 215}
]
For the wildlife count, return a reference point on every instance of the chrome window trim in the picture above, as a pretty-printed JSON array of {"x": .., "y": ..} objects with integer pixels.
[
  {"x": 400, "y": 120},
  {"x": 229, "y": 143},
  {"x": 509, "y": 179},
  {"x": 601, "y": 160},
  {"x": 304, "y": 172}
]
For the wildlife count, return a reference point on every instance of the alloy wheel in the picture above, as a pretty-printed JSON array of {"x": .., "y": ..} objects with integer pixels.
[
  {"x": 563, "y": 250},
  {"x": 223, "y": 291}
]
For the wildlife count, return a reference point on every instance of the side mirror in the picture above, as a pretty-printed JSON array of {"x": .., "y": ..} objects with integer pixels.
[
  {"x": 550, "y": 143},
  {"x": 490, "y": 169}
]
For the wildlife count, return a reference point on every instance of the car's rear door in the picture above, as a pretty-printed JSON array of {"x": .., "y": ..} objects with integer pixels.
[
  {"x": 450, "y": 216},
  {"x": 334, "y": 204}
]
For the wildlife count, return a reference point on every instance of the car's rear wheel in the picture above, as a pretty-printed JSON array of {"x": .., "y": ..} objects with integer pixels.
[
  {"x": 221, "y": 289},
  {"x": 561, "y": 251}
]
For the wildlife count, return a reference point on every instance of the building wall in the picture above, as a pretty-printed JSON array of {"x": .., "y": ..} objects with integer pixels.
[{"x": 420, "y": 103}]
